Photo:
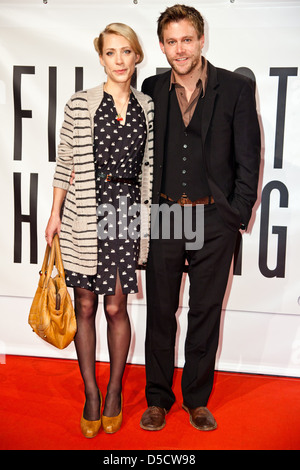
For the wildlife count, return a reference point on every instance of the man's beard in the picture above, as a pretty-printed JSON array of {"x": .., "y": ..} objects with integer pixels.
[{"x": 182, "y": 71}]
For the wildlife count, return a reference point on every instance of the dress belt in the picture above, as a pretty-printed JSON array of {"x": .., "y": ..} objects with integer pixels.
[
  {"x": 116, "y": 179},
  {"x": 185, "y": 200}
]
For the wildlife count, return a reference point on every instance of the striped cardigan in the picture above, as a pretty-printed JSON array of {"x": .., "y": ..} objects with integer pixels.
[{"x": 78, "y": 237}]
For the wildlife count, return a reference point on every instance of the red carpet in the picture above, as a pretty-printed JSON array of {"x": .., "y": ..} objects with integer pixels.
[{"x": 41, "y": 403}]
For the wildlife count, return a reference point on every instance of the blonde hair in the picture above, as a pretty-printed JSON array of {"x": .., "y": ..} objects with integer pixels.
[{"x": 121, "y": 30}]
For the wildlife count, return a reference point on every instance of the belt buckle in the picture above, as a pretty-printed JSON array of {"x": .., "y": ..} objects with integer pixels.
[
  {"x": 108, "y": 177},
  {"x": 183, "y": 199}
]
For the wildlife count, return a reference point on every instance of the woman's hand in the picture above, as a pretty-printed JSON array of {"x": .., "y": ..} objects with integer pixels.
[
  {"x": 53, "y": 227},
  {"x": 54, "y": 222},
  {"x": 72, "y": 177}
]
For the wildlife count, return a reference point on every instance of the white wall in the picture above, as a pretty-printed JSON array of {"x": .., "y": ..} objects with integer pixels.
[
  {"x": 261, "y": 319},
  {"x": 250, "y": 342}
]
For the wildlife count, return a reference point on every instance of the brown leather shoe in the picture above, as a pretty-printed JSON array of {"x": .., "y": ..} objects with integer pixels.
[
  {"x": 201, "y": 418},
  {"x": 153, "y": 419}
]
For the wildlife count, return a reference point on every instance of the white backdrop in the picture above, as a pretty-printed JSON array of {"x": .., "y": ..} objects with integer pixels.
[{"x": 46, "y": 52}]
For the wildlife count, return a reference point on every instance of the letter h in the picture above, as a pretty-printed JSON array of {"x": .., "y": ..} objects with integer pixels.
[{"x": 20, "y": 218}]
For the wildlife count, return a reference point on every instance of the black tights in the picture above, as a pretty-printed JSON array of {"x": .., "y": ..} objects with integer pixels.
[{"x": 118, "y": 339}]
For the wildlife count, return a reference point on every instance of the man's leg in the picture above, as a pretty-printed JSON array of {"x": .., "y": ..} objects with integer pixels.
[
  {"x": 163, "y": 280},
  {"x": 208, "y": 273}
]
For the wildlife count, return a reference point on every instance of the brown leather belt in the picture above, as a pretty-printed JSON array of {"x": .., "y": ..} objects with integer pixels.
[
  {"x": 115, "y": 179},
  {"x": 185, "y": 200}
]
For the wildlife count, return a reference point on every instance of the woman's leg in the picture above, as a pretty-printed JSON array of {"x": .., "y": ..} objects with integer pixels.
[
  {"x": 118, "y": 339},
  {"x": 86, "y": 304}
]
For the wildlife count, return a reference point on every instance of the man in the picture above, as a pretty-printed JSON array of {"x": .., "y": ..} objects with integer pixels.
[{"x": 207, "y": 152}]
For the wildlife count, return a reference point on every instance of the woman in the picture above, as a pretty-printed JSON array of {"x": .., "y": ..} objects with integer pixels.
[{"x": 104, "y": 160}]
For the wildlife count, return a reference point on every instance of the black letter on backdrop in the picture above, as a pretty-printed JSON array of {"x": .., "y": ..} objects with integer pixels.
[
  {"x": 52, "y": 114},
  {"x": 53, "y": 107},
  {"x": 279, "y": 270},
  {"x": 19, "y": 112},
  {"x": 237, "y": 257},
  {"x": 31, "y": 218},
  {"x": 78, "y": 78},
  {"x": 283, "y": 74}
]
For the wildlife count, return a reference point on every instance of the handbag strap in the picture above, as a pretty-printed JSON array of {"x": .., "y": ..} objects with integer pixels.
[
  {"x": 58, "y": 259},
  {"x": 45, "y": 262},
  {"x": 54, "y": 258}
]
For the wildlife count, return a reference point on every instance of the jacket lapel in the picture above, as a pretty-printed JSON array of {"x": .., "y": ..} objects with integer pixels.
[
  {"x": 161, "y": 99},
  {"x": 209, "y": 100}
]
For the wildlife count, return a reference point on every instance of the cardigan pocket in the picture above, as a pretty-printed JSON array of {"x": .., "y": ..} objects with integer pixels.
[
  {"x": 79, "y": 231},
  {"x": 70, "y": 206}
]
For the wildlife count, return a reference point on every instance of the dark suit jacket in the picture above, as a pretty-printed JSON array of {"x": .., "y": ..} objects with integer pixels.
[{"x": 230, "y": 138}]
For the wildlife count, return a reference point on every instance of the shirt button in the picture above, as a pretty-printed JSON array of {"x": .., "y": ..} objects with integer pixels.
[
  {"x": 183, "y": 172},
  {"x": 185, "y": 146},
  {"x": 183, "y": 184},
  {"x": 184, "y": 159}
]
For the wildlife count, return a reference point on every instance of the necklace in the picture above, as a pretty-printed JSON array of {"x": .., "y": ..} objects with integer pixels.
[{"x": 119, "y": 115}]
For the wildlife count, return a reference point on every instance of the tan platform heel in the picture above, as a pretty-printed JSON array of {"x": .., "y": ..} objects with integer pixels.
[
  {"x": 90, "y": 429},
  {"x": 112, "y": 424}
]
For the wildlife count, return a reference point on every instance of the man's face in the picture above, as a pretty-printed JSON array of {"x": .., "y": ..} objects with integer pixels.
[{"x": 182, "y": 47}]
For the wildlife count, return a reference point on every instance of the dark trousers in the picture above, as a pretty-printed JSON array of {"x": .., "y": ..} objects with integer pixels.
[{"x": 208, "y": 270}]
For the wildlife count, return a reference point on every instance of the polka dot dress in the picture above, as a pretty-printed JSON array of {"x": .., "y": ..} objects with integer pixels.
[{"x": 118, "y": 151}]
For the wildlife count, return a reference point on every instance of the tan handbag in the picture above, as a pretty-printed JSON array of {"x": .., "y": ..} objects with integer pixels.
[{"x": 52, "y": 315}]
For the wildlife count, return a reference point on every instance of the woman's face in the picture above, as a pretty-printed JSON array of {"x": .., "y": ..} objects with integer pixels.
[{"x": 118, "y": 58}]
